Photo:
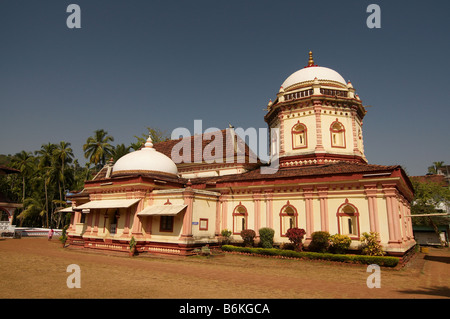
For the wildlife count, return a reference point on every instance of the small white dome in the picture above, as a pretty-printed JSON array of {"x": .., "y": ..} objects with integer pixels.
[
  {"x": 145, "y": 160},
  {"x": 310, "y": 73}
]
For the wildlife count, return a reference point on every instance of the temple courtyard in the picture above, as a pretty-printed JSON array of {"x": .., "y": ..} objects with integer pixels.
[{"x": 37, "y": 268}]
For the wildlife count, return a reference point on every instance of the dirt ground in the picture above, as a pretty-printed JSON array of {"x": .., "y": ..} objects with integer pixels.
[{"x": 37, "y": 268}]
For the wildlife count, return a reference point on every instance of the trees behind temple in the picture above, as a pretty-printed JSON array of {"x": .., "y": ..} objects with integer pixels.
[{"x": 48, "y": 174}]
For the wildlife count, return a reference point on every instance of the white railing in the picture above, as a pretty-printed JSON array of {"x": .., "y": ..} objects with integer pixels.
[{"x": 37, "y": 232}]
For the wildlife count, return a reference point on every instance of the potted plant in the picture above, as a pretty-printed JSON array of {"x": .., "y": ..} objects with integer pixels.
[{"x": 132, "y": 246}]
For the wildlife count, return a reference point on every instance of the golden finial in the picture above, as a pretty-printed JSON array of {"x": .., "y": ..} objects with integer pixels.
[{"x": 311, "y": 61}]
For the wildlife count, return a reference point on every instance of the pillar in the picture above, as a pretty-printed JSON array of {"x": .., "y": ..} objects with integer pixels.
[
  {"x": 390, "y": 193},
  {"x": 323, "y": 197},
  {"x": 308, "y": 193},
  {"x": 257, "y": 222},
  {"x": 371, "y": 193},
  {"x": 269, "y": 208},
  {"x": 188, "y": 195}
]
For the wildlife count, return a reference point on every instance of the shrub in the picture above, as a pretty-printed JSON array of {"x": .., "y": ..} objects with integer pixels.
[
  {"x": 248, "y": 235},
  {"x": 319, "y": 241},
  {"x": 339, "y": 243},
  {"x": 379, "y": 260},
  {"x": 295, "y": 236},
  {"x": 371, "y": 245},
  {"x": 226, "y": 236},
  {"x": 287, "y": 246},
  {"x": 266, "y": 237}
]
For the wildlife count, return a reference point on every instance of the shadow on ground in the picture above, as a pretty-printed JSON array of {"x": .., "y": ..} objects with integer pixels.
[
  {"x": 442, "y": 291},
  {"x": 442, "y": 259}
]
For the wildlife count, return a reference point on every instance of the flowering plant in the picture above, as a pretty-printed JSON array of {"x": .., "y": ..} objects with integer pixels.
[
  {"x": 295, "y": 236},
  {"x": 248, "y": 235}
]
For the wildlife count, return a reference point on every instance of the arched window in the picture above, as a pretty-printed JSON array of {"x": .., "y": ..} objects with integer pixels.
[
  {"x": 337, "y": 132},
  {"x": 274, "y": 141},
  {"x": 239, "y": 219},
  {"x": 299, "y": 139},
  {"x": 348, "y": 220},
  {"x": 288, "y": 218}
]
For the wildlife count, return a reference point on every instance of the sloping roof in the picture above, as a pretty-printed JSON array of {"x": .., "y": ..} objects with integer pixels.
[
  {"x": 338, "y": 168},
  {"x": 108, "y": 203},
  {"x": 230, "y": 148},
  {"x": 8, "y": 170}
]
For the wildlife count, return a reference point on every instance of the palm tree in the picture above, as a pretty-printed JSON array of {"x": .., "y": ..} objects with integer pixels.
[
  {"x": 33, "y": 209},
  {"x": 97, "y": 149},
  {"x": 24, "y": 162},
  {"x": 63, "y": 154},
  {"x": 45, "y": 164},
  {"x": 120, "y": 150}
]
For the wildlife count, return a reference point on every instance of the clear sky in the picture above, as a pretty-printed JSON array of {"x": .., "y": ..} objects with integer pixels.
[{"x": 163, "y": 64}]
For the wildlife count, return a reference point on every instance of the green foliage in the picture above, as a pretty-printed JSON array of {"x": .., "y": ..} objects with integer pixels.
[
  {"x": 360, "y": 259},
  {"x": 225, "y": 236},
  {"x": 295, "y": 236},
  {"x": 248, "y": 235},
  {"x": 266, "y": 237},
  {"x": 428, "y": 193},
  {"x": 339, "y": 243},
  {"x": 132, "y": 243},
  {"x": 226, "y": 233},
  {"x": 98, "y": 149},
  {"x": 156, "y": 135},
  {"x": 371, "y": 245},
  {"x": 63, "y": 237},
  {"x": 319, "y": 241},
  {"x": 45, "y": 176}
]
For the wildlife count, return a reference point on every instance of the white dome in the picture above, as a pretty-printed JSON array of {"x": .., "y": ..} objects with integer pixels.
[
  {"x": 311, "y": 72},
  {"x": 145, "y": 160}
]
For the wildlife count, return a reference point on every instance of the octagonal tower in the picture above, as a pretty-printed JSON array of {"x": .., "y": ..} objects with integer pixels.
[{"x": 319, "y": 118}]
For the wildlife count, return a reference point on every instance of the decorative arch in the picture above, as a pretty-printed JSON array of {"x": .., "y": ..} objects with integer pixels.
[
  {"x": 299, "y": 136},
  {"x": 288, "y": 218},
  {"x": 337, "y": 134},
  {"x": 348, "y": 220},
  {"x": 240, "y": 215}
]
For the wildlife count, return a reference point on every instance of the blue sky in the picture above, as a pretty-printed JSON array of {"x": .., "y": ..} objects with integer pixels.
[{"x": 163, "y": 64}]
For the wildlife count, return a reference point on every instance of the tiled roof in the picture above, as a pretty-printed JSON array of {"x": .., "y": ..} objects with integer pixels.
[
  {"x": 205, "y": 153},
  {"x": 8, "y": 170},
  {"x": 339, "y": 168}
]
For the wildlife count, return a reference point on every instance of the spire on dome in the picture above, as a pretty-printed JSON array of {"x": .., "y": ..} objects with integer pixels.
[
  {"x": 311, "y": 60},
  {"x": 149, "y": 143}
]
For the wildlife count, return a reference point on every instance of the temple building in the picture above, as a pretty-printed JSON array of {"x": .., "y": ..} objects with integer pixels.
[{"x": 323, "y": 181}]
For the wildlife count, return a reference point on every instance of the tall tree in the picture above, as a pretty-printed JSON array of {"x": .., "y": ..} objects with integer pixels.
[
  {"x": 98, "y": 149},
  {"x": 120, "y": 150},
  {"x": 24, "y": 162},
  {"x": 45, "y": 164},
  {"x": 33, "y": 211},
  {"x": 429, "y": 198},
  {"x": 64, "y": 155}
]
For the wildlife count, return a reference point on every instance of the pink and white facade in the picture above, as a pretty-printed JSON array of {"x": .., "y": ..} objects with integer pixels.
[{"x": 324, "y": 182}]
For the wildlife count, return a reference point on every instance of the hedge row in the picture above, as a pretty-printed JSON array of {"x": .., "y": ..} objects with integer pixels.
[{"x": 362, "y": 259}]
